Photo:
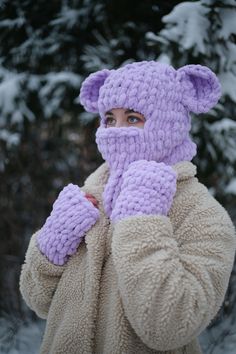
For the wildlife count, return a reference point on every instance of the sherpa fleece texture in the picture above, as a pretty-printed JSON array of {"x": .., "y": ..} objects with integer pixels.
[{"x": 146, "y": 284}]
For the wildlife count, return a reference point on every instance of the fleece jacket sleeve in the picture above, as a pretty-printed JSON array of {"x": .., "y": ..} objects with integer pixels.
[
  {"x": 39, "y": 279},
  {"x": 173, "y": 275}
]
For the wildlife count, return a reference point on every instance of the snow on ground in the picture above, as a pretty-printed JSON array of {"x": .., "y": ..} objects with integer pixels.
[
  {"x": 220, "y": 339},
  {"x": 16, "y": 338}
]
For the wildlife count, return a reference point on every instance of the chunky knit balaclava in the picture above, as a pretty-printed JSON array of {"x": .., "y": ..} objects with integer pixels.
[{"x": 165, "y": 97}]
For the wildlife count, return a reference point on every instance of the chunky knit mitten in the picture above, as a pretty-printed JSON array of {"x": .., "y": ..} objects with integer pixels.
[
  {"x": 148, "y": 188},
  {"x": 71, "y": 217}
]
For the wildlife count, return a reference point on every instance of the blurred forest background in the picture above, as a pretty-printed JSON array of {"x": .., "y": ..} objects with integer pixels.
[{"x": 46, "y": 140}]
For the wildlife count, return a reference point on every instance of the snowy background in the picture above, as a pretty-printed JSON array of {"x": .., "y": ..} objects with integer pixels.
[{"x": 46, "y": 140}]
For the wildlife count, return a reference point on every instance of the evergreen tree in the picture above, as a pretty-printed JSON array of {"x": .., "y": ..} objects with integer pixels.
[
  {"x": 42, "y": 141},
  {"x": 204, "y": 32},
  {"x": 46, "y": 140}
]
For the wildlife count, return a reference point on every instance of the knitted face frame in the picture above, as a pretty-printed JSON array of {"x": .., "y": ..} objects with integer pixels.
[{"x": 164, "y": 96}]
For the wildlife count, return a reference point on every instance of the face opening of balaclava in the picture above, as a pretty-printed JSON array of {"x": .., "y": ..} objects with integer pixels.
[{"x": 165, "y": 97}]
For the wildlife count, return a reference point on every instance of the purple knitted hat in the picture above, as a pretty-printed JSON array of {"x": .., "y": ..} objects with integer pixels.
[{"x": 164, "y": 96}]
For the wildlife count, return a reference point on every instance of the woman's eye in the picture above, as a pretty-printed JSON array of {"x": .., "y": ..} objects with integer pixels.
[
  {"x": 110, "y": 121},
  {"x": 133, "y": 119}
]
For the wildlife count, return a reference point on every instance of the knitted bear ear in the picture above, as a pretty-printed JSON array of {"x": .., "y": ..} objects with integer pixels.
[
  {"x": 89, "y": 91},
  {"x": 202, "y": 88}
]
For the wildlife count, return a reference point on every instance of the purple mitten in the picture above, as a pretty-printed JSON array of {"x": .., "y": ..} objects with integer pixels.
[
  {"x": 71, "y": 217},
  {"x": 148, "y": 188}
]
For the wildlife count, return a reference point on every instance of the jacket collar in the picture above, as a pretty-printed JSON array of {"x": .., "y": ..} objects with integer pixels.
[
  {"x": 185, "y": 170},
  {"x": 99, "y": 177},
  {"x": 96, "y": 181}
]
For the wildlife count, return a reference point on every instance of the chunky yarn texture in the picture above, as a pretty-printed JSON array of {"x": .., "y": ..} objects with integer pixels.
[
  {"x": 165, "y": 97},
  {"x": 71, "y": 217},
  {"x": 122, "y": 146},
  {"x": 148, "y": 188}
]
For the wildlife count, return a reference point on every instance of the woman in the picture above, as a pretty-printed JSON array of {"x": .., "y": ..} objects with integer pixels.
[{"x": 137, "y": 260}]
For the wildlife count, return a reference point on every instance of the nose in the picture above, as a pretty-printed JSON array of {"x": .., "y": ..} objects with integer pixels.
[
  {"x": 121, "y": 121},
  {"x": 120, "y": 124}
]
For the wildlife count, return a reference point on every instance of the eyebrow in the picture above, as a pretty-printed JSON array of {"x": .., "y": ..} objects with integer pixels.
[
  {"x": 126, "y": 112},
  {"x": 130, "y": 111},
  {"x": 109, "y": 112}
]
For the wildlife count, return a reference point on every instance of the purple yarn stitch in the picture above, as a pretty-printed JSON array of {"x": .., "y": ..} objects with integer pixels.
[
  {"x": 148, "y": 188},
  {"x": 120, "y": 147},
  {"x": 165, "y": 97},
  {"x": 72, "y": 216}
]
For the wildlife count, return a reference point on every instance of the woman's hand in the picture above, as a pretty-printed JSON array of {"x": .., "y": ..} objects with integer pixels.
[
  {"x": 73, "y": 214},
  {"x": 148, "y": 188},
  {"x": 92, "y": 199}
]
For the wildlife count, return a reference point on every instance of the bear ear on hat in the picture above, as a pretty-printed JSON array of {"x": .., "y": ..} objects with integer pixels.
[
  {"x": 202, "y": 88},
  {"x": 89, "y": 91}
]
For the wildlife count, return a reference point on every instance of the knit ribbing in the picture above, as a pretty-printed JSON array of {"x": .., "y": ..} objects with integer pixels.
[{"x": 121, "y": 146}]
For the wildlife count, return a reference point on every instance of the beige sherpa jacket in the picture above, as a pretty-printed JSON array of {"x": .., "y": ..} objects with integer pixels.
[{"x": 146, "y": 285}]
